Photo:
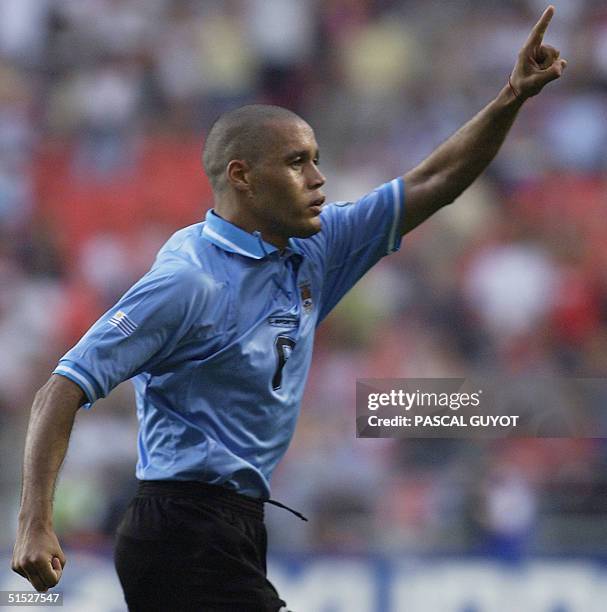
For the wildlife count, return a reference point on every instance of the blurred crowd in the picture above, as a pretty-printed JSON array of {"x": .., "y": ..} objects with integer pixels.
[{"x": 103, "y": 109}]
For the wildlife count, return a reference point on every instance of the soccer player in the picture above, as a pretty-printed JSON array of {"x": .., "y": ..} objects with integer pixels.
[{"x": 218, "y": 336}]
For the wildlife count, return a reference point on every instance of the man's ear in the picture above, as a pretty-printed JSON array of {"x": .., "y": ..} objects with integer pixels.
[{"x": 237, "y": 174}]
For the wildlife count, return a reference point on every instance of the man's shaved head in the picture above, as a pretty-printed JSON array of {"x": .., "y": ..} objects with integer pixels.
[{"x": 240, "y": 134}]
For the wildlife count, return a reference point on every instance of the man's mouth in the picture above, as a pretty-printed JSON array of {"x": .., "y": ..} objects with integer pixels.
[{"x": 315, "y": 206}]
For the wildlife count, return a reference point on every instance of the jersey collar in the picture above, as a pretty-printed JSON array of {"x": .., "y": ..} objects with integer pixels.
[{"x": 233, "y": 239}]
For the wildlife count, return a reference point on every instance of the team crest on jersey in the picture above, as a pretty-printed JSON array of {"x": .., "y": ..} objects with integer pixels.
[{"x": 305, "y": 292}]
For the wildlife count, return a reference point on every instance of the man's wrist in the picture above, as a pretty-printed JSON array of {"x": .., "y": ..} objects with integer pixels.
[
  {"x": 510, "y": 97},
  {"x": 515, "y": 90},
  {"x": 39, "y": 518}
]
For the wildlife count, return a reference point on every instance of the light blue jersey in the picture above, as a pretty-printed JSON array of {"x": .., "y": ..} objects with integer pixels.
[{"x": 218, "y": 338}]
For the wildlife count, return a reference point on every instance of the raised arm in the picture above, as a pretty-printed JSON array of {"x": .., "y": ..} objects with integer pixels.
[
  {"x": 451, "y": 168},
  {"x": 37, "y": 555}
]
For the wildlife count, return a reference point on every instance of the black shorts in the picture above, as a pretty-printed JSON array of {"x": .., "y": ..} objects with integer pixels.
[{"x": 185, "y": 546}]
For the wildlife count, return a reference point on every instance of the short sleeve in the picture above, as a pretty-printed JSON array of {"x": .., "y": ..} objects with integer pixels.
[
  {"x": 141, "y": 330},
  {"x": 357, "y": 235}
]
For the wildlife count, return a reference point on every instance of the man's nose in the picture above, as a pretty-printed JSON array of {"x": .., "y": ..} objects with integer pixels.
[{"x": 316, "y": 178}]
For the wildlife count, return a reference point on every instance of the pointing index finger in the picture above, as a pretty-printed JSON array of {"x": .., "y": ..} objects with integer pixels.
[{"x": 539, "y": 29}]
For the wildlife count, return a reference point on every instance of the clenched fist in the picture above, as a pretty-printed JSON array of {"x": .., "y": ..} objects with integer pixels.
[{"x": 38, "y": 557}]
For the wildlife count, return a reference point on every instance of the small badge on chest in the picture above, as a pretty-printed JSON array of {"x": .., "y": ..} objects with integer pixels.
[{"x": 305, "y": 291}]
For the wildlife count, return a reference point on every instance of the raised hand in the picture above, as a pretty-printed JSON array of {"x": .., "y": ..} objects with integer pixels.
[{"x": 538, "y": 64}]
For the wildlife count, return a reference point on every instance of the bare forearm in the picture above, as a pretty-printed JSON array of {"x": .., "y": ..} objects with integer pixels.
[
  {"x": 464, "y": 156},
  {"x": 456, "y": 164},
  {"x": 48, "y": 434}
]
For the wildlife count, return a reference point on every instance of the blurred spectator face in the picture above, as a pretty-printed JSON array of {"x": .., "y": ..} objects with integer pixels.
[{"x": 285, "y": 183}]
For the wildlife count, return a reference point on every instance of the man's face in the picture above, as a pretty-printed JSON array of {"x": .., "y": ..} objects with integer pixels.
[{"x": 285, "y": 184}]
